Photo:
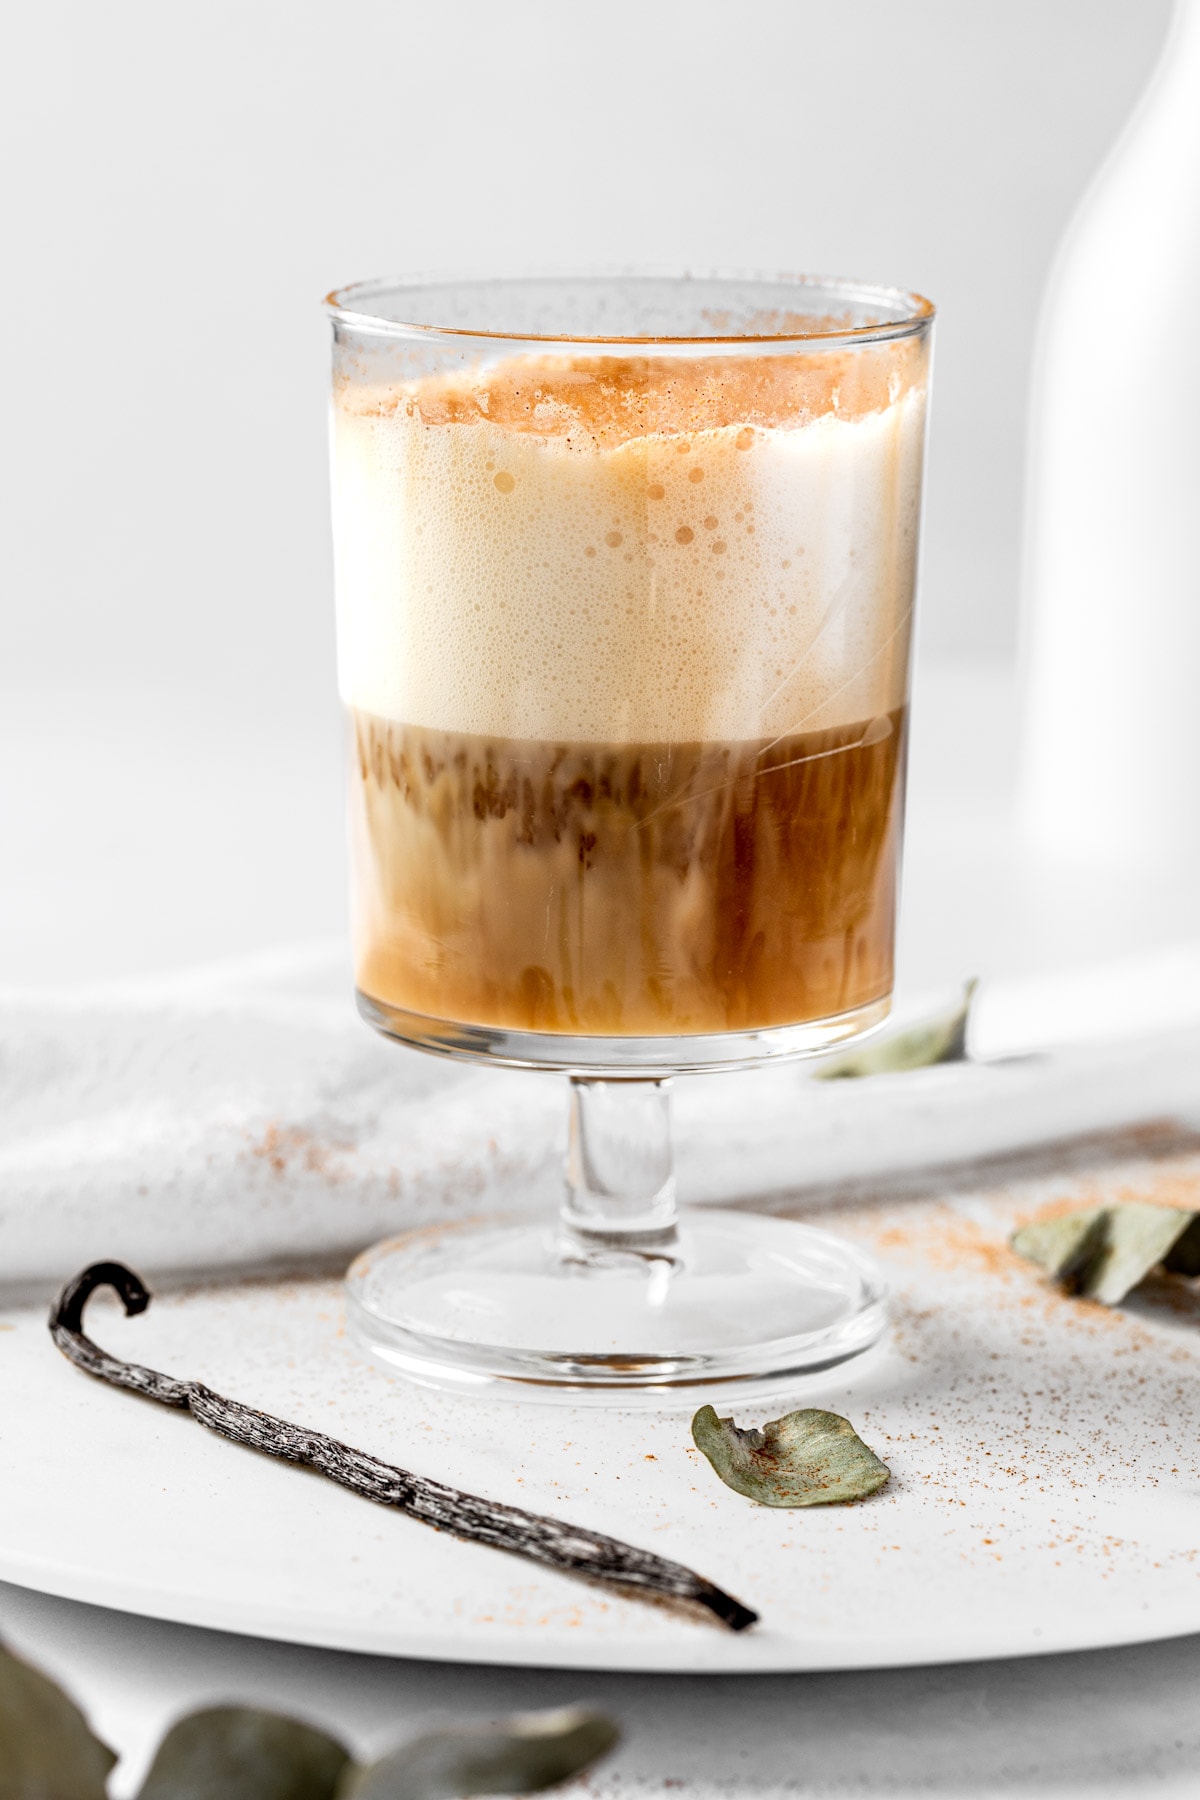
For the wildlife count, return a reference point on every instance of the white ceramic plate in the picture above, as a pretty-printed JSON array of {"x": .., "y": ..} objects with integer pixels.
[{"x": 1045, "y": 1455}]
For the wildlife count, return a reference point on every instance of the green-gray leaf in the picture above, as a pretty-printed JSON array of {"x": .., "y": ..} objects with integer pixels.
[
  {"x": 807, "y": 1458},
  {"x": 1103, "y": 1252},
  {"x": 940, "y": 1040},
  {"x": 239, "y": 1753},
  {"x": 47, "y": 1751},
  {"x": 1066, "y": 1246},
  {"x": 520, "y": 1755}
]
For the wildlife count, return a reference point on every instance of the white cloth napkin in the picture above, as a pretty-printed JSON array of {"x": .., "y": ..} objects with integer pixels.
[{"x": 242, "y": 1115}]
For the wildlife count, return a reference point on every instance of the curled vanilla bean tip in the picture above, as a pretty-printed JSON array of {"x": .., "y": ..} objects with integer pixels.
[
  {"x": 532, "y": 1535},
  {"x": 67, "y": 1310},
  {"x": 66, "y": 1328}
]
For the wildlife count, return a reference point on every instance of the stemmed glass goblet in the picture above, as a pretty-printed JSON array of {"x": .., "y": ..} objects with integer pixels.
[{"x": 625, "y": 576}]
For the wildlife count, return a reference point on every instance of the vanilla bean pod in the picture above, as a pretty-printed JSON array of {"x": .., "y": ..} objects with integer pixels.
[{"x": 560, "y": 1546}]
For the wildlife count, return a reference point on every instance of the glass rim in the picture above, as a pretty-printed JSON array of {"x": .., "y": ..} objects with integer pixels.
[{"x": 350, "y": 306}]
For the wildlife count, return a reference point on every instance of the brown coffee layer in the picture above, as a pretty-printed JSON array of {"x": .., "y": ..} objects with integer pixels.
[{"x": 642, "y": 889}]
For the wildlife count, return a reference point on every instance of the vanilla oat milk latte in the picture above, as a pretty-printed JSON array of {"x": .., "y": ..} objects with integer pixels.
[{"x": 624, "y": 646}]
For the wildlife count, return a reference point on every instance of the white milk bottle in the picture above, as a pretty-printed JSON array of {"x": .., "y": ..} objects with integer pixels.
[{"x": 1111, "y": 624}]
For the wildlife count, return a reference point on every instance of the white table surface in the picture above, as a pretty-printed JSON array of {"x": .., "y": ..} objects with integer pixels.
[{"x": 144, "y": 834}]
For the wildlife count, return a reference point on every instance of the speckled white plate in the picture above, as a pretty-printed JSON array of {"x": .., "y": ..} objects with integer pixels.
[{"x": 1045, "y": 1456}]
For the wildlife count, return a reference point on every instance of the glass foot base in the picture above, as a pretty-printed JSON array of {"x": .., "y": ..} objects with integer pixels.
[{"x": 727, "y": 1298}]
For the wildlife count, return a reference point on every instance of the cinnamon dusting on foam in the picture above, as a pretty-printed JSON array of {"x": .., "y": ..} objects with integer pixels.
[{"x": 605, "y": 401}]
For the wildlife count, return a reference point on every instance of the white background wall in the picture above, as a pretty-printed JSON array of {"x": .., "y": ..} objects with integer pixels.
[{"x": 191, "y": 177}]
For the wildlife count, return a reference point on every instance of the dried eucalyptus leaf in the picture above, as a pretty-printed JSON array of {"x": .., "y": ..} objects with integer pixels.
[
  {"x": 807, "y": 1458},
  {"x": 1066, "y": 1246},
  {"x": 1103, "y": 1252},
  {"x": 940, "y": 1040},
  {"x": 239, "y": 1753},
  {"x": 47, "y": 1751},
  {"x": 1138, "y": 1237},
  {"x": 520, "y": 1755}
]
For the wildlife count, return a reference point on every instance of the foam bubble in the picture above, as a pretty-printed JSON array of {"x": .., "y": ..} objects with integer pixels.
[{"x": 511, "y": 563}]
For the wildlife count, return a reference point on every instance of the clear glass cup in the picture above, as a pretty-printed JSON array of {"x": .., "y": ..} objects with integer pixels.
[{"x": 625, "y": 577}]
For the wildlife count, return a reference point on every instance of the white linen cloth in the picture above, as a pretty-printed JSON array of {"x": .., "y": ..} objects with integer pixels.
[{"x": 242, "y": 1114}]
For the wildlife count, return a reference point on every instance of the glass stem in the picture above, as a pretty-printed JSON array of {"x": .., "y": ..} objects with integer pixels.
[{"x": 620, "y": 1190}]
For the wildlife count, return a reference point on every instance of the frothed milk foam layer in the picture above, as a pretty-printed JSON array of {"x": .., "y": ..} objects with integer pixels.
[
  {"x": 624, "y": 643},
  {"x": 620, "y": 552}
]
